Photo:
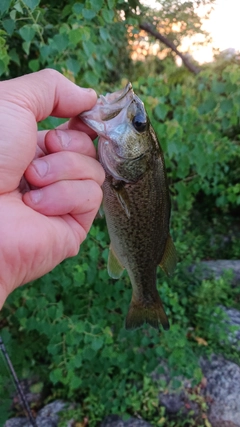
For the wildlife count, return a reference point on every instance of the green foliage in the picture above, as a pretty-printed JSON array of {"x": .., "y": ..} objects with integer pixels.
[
  {"x": 68, "y": 329},
  {"x": 80, "y": 39},
  {"x": 198, "y": 126}
]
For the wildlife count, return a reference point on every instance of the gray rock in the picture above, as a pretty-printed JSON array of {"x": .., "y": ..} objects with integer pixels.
[
  {"x": 16, "y": 422},
  {"x": 24, "y": 422},
  {"x": 218, "y": 267},
  {"x": 47, "y": 416},
  {"x": 51, "y": 410},
  {"x": 223, "y": 389},
  {"x": 116, "y": 421}
]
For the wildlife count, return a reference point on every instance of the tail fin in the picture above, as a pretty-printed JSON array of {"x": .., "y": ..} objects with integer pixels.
[{"x": 152, "y": 313}]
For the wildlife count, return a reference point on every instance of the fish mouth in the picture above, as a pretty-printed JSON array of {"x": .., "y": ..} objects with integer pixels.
[
  {"x": 107, "y": 108},
  {"x": 115, "y": 97}
]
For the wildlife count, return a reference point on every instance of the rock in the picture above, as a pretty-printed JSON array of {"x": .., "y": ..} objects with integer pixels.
[
  {"x": 218, "y": 267},
  {"x": 223, "y": 389},
  {"x": 47, "y": 416},
  {"x": 174, "y": 401},
  {"x": 16, "y": 422},
  {"x": 24, "y": 422},
  {"x": 51, "y": 410},
  {"x": 116, "y": 421}
]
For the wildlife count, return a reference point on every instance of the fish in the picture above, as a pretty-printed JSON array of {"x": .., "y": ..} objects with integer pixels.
[{"x": 136, "y": 201}]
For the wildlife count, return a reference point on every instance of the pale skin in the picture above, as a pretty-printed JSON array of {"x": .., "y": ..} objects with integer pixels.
[{"x": 43, "y": 226}]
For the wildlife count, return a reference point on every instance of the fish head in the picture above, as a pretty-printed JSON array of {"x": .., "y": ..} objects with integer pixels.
[{"x": 122, "y": 124}]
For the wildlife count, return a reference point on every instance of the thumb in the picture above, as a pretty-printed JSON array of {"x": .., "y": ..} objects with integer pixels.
[{"x": 25, "y": 101}]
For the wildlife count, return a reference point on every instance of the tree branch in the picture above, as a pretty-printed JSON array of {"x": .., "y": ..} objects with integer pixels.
[{"x": 149, "y": 29}]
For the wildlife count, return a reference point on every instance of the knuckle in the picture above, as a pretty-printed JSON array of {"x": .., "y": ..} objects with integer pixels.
[
  {"x": 97, "y": 193},
  {"x": 50, "y": 73}
]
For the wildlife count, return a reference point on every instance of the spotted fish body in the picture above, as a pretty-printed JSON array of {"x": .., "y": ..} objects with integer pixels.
[{"x": 136, "y": 201}]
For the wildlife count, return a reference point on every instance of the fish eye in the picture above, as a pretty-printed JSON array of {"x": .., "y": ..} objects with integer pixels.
[{"x": 139, "y": 122}]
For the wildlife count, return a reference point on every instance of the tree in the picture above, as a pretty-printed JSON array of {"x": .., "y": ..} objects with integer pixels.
[{"x": 88, "y": 40}]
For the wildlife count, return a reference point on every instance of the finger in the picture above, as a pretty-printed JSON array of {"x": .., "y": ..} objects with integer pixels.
[
  {"x": 78, "y": 198},
  {"x": 42, "y": 134},
  {"x": 64, "y": 166},
  {"x": 69, "y": 140},
  {"x": 61, "y": 138},
  {"x": 48, "y": 92},
  {"x": 77, "y": 124}
]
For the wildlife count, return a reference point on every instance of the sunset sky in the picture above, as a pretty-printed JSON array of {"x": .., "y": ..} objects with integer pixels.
[{"x": 224, "y": 27}]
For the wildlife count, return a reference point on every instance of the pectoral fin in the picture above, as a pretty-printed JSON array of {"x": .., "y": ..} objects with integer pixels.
[
  {"x": 100, "y": 213},
  {"x": 114, "y": 267},
  {"x": 122, "y": 196},
  {"x": 169, "y": 260}
]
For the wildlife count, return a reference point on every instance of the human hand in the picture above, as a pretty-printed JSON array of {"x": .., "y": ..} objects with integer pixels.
[{"x": 40, "y": 228}]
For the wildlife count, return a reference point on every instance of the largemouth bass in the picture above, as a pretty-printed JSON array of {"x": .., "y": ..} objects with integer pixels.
[{"x": 136, "y": 201}]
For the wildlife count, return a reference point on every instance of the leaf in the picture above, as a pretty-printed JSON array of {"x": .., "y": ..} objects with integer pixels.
[
  {"x": 226, "y": 105},
  {"x": 104, "y": 34},
  {"x": 108, "y": 15},
  {"x": 111, "y": 4},
  {"x": 88, "y": 353},
  {"x": 18, "y": 7},
  {"x": 97, "y": 343},
  {"x": 14, "y": 56},
  {"x": 27, "y": 33},
  {"x": 77, "y": 8},
  {"x": 4, "y": 6},
  {"x": 45, "y": 51},
  {"x": 12, "y": 14},
  {"x": 89, "y": 48},
  {"x": 32, "y": 4},
  {"x": 26, "y": 47},
  {"x": 88, "y": 14},
  {"x": 96, "y": 5},
  {"x": 73, "y": 65},
  {"x": 78, "y": 359},
  {"x": 207, "y": 106},
  {"x": 56, "y": 375},
  {"x": 161, "y": 111},
  {"x": 75, "y": 36},
  {"x": 86, "y": 33},
  {"x": 76, "y": 382},
  {"x": 61, "y": 41},
  {"x": 9, "y": 26},
  {"x": 218, "y": 87},
  {"x": 201, "y": 341}
]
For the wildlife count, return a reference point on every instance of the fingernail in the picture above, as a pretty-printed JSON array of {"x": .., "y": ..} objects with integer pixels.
[
  {"x": 41, "y": 167},
  {"x": 63, "y": 138},
  {"x": 36, "y": 196}
]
